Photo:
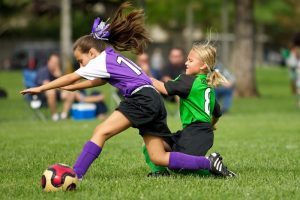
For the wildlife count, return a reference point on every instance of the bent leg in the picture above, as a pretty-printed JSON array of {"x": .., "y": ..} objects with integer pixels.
[
  {"x": 173, "y": 160},
  {"x": 154, "y": 168},
  {"x": 113, "y": 125},
  {"x": 156, "y": 150}
]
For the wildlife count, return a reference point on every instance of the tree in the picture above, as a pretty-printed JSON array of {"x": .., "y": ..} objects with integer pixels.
[
  {"x": 65, "y": 34},
  {"x": 243, "y": 50}
]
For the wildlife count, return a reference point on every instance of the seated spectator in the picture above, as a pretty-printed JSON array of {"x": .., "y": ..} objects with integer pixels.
[
  {"x": 224, "y": 92},
  {"x": 48, "y": 73},
  {"x": 95, "y": 97}
]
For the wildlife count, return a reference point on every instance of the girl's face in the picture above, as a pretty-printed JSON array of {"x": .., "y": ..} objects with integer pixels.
[
  {"x": 84, "y": 58},
  {"x": 194, "y": 64}
]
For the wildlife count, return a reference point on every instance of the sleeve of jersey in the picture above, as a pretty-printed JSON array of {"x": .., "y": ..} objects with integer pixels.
[
  {"x": 96, "y": 68},
  {"x": 180, "y": 86},
  {"x": 217, "y": 110}
]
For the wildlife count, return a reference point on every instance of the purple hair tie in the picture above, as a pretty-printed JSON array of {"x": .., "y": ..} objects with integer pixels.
[{"x": 99, "y": 30}]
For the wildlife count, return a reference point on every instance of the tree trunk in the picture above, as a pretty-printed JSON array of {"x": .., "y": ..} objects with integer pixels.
[
  {"x": 225, "y": 41},
  {"x": 65, "y": 36},
  {"x": 243, "y": 51}
]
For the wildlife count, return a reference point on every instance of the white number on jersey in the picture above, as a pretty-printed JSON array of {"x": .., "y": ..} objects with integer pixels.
[
  {"x": 207, "y": 101},
  {"x": 131, "y": 65}
]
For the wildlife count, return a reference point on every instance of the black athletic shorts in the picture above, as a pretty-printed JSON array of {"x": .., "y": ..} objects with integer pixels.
[
  {"x": 146, "y": 111},
  {"x": 195, "y": 139}
]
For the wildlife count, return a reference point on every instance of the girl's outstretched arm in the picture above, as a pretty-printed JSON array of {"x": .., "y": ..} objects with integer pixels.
[
  {"x": 57, "y": 83},
  {"x": 159, "y": 85},
  {"x": 85, "y": 84}
]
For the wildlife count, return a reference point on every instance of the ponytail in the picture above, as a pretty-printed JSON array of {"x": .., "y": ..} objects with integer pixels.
[
  {"x": 127, "y": 32},
  {"x": 124, "y": 33},
  {"x": 215, "y": 78},
  {"x": 207, "y": 54}
]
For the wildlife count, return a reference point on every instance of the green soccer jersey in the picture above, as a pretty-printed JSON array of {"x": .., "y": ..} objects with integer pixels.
[{"x": 197, "y": 98}]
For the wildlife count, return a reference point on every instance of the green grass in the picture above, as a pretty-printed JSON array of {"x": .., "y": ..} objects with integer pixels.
[{"x": 259, "y": 140}]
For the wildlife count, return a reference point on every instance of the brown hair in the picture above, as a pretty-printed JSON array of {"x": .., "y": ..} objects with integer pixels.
[
  {"x": 207, "y": 54},
  {"x": 127, "y": 33}
]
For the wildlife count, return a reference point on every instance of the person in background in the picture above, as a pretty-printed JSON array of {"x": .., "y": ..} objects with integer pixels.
[
  {"x": 175, "y": 66},
  {"x": 142, "y": 61},
  {"x": 296, "y": 51},
  {"x": 173, "y": 69},
  {"x": 224, "y": 91},
  {"x": 96, "y": 98},
  {"x": 292, "y": 62},
  {"x": 47, "y": 74},
  {"x": 157, "y": 63}
]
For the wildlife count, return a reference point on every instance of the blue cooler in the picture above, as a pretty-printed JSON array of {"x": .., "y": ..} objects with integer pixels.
[{"x": 83, "y": 111}]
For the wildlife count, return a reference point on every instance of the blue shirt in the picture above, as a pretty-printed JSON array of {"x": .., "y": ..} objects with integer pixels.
[{"x": 43, "y": 74}]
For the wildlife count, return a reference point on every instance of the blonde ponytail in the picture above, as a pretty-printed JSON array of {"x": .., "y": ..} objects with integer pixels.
[
  {"x": 207, "y": 54},
  {"x": 215, "y": 78}
]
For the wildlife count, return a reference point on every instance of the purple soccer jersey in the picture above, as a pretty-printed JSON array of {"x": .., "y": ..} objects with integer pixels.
[{"x": 119, "y": 71}]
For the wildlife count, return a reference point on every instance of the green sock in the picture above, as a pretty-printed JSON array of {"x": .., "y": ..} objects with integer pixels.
[{"x": 153, "y": 167}]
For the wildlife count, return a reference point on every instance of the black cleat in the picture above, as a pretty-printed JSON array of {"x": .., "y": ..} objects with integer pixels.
[
  {"x": 158, "y": 174},
  {"x": 217, "y": 166}
]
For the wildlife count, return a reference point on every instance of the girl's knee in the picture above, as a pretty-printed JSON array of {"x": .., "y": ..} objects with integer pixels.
[{"x": 100, "y": 132}]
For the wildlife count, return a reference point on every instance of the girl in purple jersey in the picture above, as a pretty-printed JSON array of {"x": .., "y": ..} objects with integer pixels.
[{"x": 142, "y": 107}]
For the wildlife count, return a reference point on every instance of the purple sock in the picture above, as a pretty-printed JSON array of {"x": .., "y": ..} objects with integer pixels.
[
  {"x": 183, "y": 161},
  {"x": 89, "y": 153}
]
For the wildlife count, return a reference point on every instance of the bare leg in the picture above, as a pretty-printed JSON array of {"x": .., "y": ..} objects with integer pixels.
[
  {"x": 51, "y": 100},
  {"x": 68, "y": 99},
  {"x": 114, "y": 124},
  {"x": 173, "y": 160},
  {"x": 156, "y": 149}
]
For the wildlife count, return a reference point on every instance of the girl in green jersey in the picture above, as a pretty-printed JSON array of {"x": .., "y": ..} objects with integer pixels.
[{"x": 199, "y": 110}]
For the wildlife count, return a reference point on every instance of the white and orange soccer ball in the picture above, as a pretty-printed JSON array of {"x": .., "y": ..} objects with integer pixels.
[{"x": 59, "y": 177}]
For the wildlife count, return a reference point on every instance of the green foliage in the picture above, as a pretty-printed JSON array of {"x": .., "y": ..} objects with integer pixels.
[
  {"x": 81, "y": 24},
  {"x": 259, "y": 139},
  {"x": 15, "y": 3},
  {"x": 173, "y": 15},
  {"x": 267, "y": 12},
  {"x": 10, "y": 8},
  {"x": 33, "y": 19}
]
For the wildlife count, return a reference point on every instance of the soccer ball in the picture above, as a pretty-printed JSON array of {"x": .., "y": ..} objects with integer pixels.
[{"x": 59, "y": 177}]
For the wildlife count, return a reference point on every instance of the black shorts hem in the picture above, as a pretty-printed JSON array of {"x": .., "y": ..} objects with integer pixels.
[{"x": 146, "y": 112}]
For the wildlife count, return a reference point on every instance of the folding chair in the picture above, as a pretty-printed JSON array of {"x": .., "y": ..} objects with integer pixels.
[{"x": 33, "y": 101}]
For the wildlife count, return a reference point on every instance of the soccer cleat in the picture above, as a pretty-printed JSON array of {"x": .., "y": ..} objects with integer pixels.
[
  {"x": 158, "y": 174},
  {"x": 217, "y": 166}
]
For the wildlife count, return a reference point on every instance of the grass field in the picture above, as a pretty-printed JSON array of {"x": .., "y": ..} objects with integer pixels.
[{"x": 259, "y": 140}]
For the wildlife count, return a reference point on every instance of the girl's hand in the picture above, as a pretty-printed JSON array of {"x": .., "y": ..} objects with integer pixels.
[{"x": 34, "y": 90}]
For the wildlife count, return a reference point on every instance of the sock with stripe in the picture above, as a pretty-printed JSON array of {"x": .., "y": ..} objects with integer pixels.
[{"x": 179, "y": 160}]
